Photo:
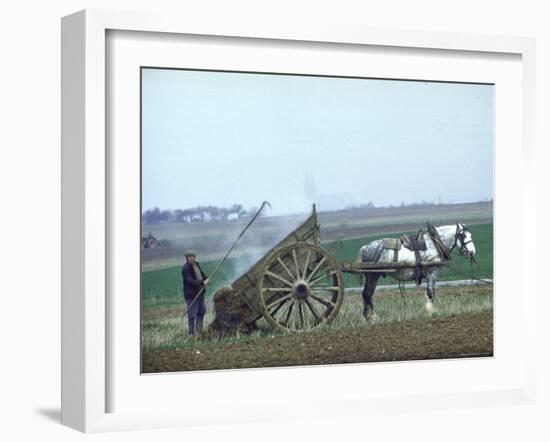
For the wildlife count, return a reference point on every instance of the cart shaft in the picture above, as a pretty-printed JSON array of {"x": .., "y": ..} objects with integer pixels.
[{"x": 379, "y": 267}]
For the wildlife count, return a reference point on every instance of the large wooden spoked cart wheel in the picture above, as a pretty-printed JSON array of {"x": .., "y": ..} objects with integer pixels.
[{"x": 301, "y": 286}]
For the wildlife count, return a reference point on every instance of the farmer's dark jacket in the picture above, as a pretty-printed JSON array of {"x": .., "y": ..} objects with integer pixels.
[{"x": 191, "y": 285}]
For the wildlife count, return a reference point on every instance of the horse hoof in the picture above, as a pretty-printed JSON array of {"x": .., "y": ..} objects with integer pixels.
[
  {"x": 371, "y": 317},
  {"x": 430, "y": 307}
]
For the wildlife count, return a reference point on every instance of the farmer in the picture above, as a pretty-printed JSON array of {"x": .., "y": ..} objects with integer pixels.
[{"x": 195, "y": 281}]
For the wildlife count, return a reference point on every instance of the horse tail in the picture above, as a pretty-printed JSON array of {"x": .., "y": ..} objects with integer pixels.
[{"x": 359, "y": 257}]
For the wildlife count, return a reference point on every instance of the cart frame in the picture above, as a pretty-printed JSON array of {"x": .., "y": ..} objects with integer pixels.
[{"x": 298, "y": 284}]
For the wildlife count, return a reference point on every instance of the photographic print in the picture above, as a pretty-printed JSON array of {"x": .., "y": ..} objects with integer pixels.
[{"x": 295, "y": 220}]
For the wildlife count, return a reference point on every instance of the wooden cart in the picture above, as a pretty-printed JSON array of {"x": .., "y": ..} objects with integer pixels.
[{"x": 298, "y": 284}]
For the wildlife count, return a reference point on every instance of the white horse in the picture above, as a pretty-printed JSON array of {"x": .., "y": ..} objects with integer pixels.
[{"x": 439, "y": 243}]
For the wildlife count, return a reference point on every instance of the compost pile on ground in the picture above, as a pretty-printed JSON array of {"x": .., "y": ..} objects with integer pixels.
[{"x": 229, "y": 311}]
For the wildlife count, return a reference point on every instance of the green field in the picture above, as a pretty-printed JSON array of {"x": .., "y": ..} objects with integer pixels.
[{"x": 163, "y": 288}]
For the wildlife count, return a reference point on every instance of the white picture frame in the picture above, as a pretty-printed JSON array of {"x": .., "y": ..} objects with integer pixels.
[{"x": 86, "y": 211}]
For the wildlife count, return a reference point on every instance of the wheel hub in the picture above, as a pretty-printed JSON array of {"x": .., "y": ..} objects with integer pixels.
[{"x": 301, "y": 290}]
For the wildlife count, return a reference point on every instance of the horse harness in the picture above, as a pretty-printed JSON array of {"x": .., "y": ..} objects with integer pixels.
[
  {"x": 443, "y": 251},
  {"x": 461, "y": 236},
  {"x": 417, "y": 243},
  {"x": 414, "y": 243}
]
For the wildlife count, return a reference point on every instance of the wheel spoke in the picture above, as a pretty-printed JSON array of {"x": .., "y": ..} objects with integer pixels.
[
  {"x": 276, "y": 309},
  {"x": 316, "y": 269},
  {"x": 284, "y": 298},
  {"x": 313, "y": 310},
  {"x": 320, "y": 278},
  {"x": 296, "y": 263},
  {"x": 308, "y": 321},
  {"x": 297, "y": 316},
  {"x": 328, "y": 289},
  {"x": 277, "y": 289},
  {"x": 328, "y": 304},
  {"x": 283, "y": 265},
  {"x": 288, "y": 313},
  {"x": 304, "y": 274},
  {"x": 301, "y": 313},
  {"x": 278, "y": 277}
]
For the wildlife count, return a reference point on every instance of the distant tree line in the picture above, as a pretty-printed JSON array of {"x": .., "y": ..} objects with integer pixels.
[{"x": 195, "y": 214}]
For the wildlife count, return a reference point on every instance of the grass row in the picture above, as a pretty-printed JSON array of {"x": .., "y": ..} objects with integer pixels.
[{"x": 171, "y": 332}]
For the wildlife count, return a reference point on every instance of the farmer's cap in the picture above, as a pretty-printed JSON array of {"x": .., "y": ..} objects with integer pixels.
[{"x": 190, "y": 253}]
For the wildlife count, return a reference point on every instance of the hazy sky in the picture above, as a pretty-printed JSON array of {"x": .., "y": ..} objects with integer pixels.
[{"x": 222, "y": 138}]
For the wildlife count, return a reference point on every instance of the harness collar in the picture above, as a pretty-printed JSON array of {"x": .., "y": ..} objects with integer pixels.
[{"x": 443, "y": 251}]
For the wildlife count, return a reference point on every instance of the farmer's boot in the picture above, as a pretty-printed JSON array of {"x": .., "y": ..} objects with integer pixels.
[
  {"x": 191, "y": 326},
  {"x": 200, "y": 320}
]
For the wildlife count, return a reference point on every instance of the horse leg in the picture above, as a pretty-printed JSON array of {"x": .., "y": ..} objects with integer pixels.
[
  {"x": 371, "y": 280},
  {"x": 430, "y": 292}
]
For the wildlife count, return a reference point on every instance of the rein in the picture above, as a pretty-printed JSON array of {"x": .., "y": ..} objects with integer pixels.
[
  {"x": 459, "y": 235},
  {"x": 486, "y": 280}
]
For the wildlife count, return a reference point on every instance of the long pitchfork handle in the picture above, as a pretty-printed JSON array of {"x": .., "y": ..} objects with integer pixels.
[{"x": 265, "y": 203}]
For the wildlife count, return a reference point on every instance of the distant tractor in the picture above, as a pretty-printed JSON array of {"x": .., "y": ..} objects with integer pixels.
[{"x": 149, "y": 241}]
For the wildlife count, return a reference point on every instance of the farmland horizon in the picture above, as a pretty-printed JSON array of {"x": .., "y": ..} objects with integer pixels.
[
  {"x": 270, "y": 212},
  {"x": 351, "y": 229}
]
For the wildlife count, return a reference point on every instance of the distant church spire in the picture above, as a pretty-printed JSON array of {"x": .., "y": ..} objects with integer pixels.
[{"x": 310, "y": 191}]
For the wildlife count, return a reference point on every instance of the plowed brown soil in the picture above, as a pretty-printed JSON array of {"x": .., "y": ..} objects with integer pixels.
[{"x": 468, "y": 335}]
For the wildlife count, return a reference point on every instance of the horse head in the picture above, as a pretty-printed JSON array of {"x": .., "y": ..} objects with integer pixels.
[{"x": 464, "y": 241}]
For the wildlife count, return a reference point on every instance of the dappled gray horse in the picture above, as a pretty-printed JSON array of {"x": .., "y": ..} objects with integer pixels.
[{"x": 435, "y": 245}]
